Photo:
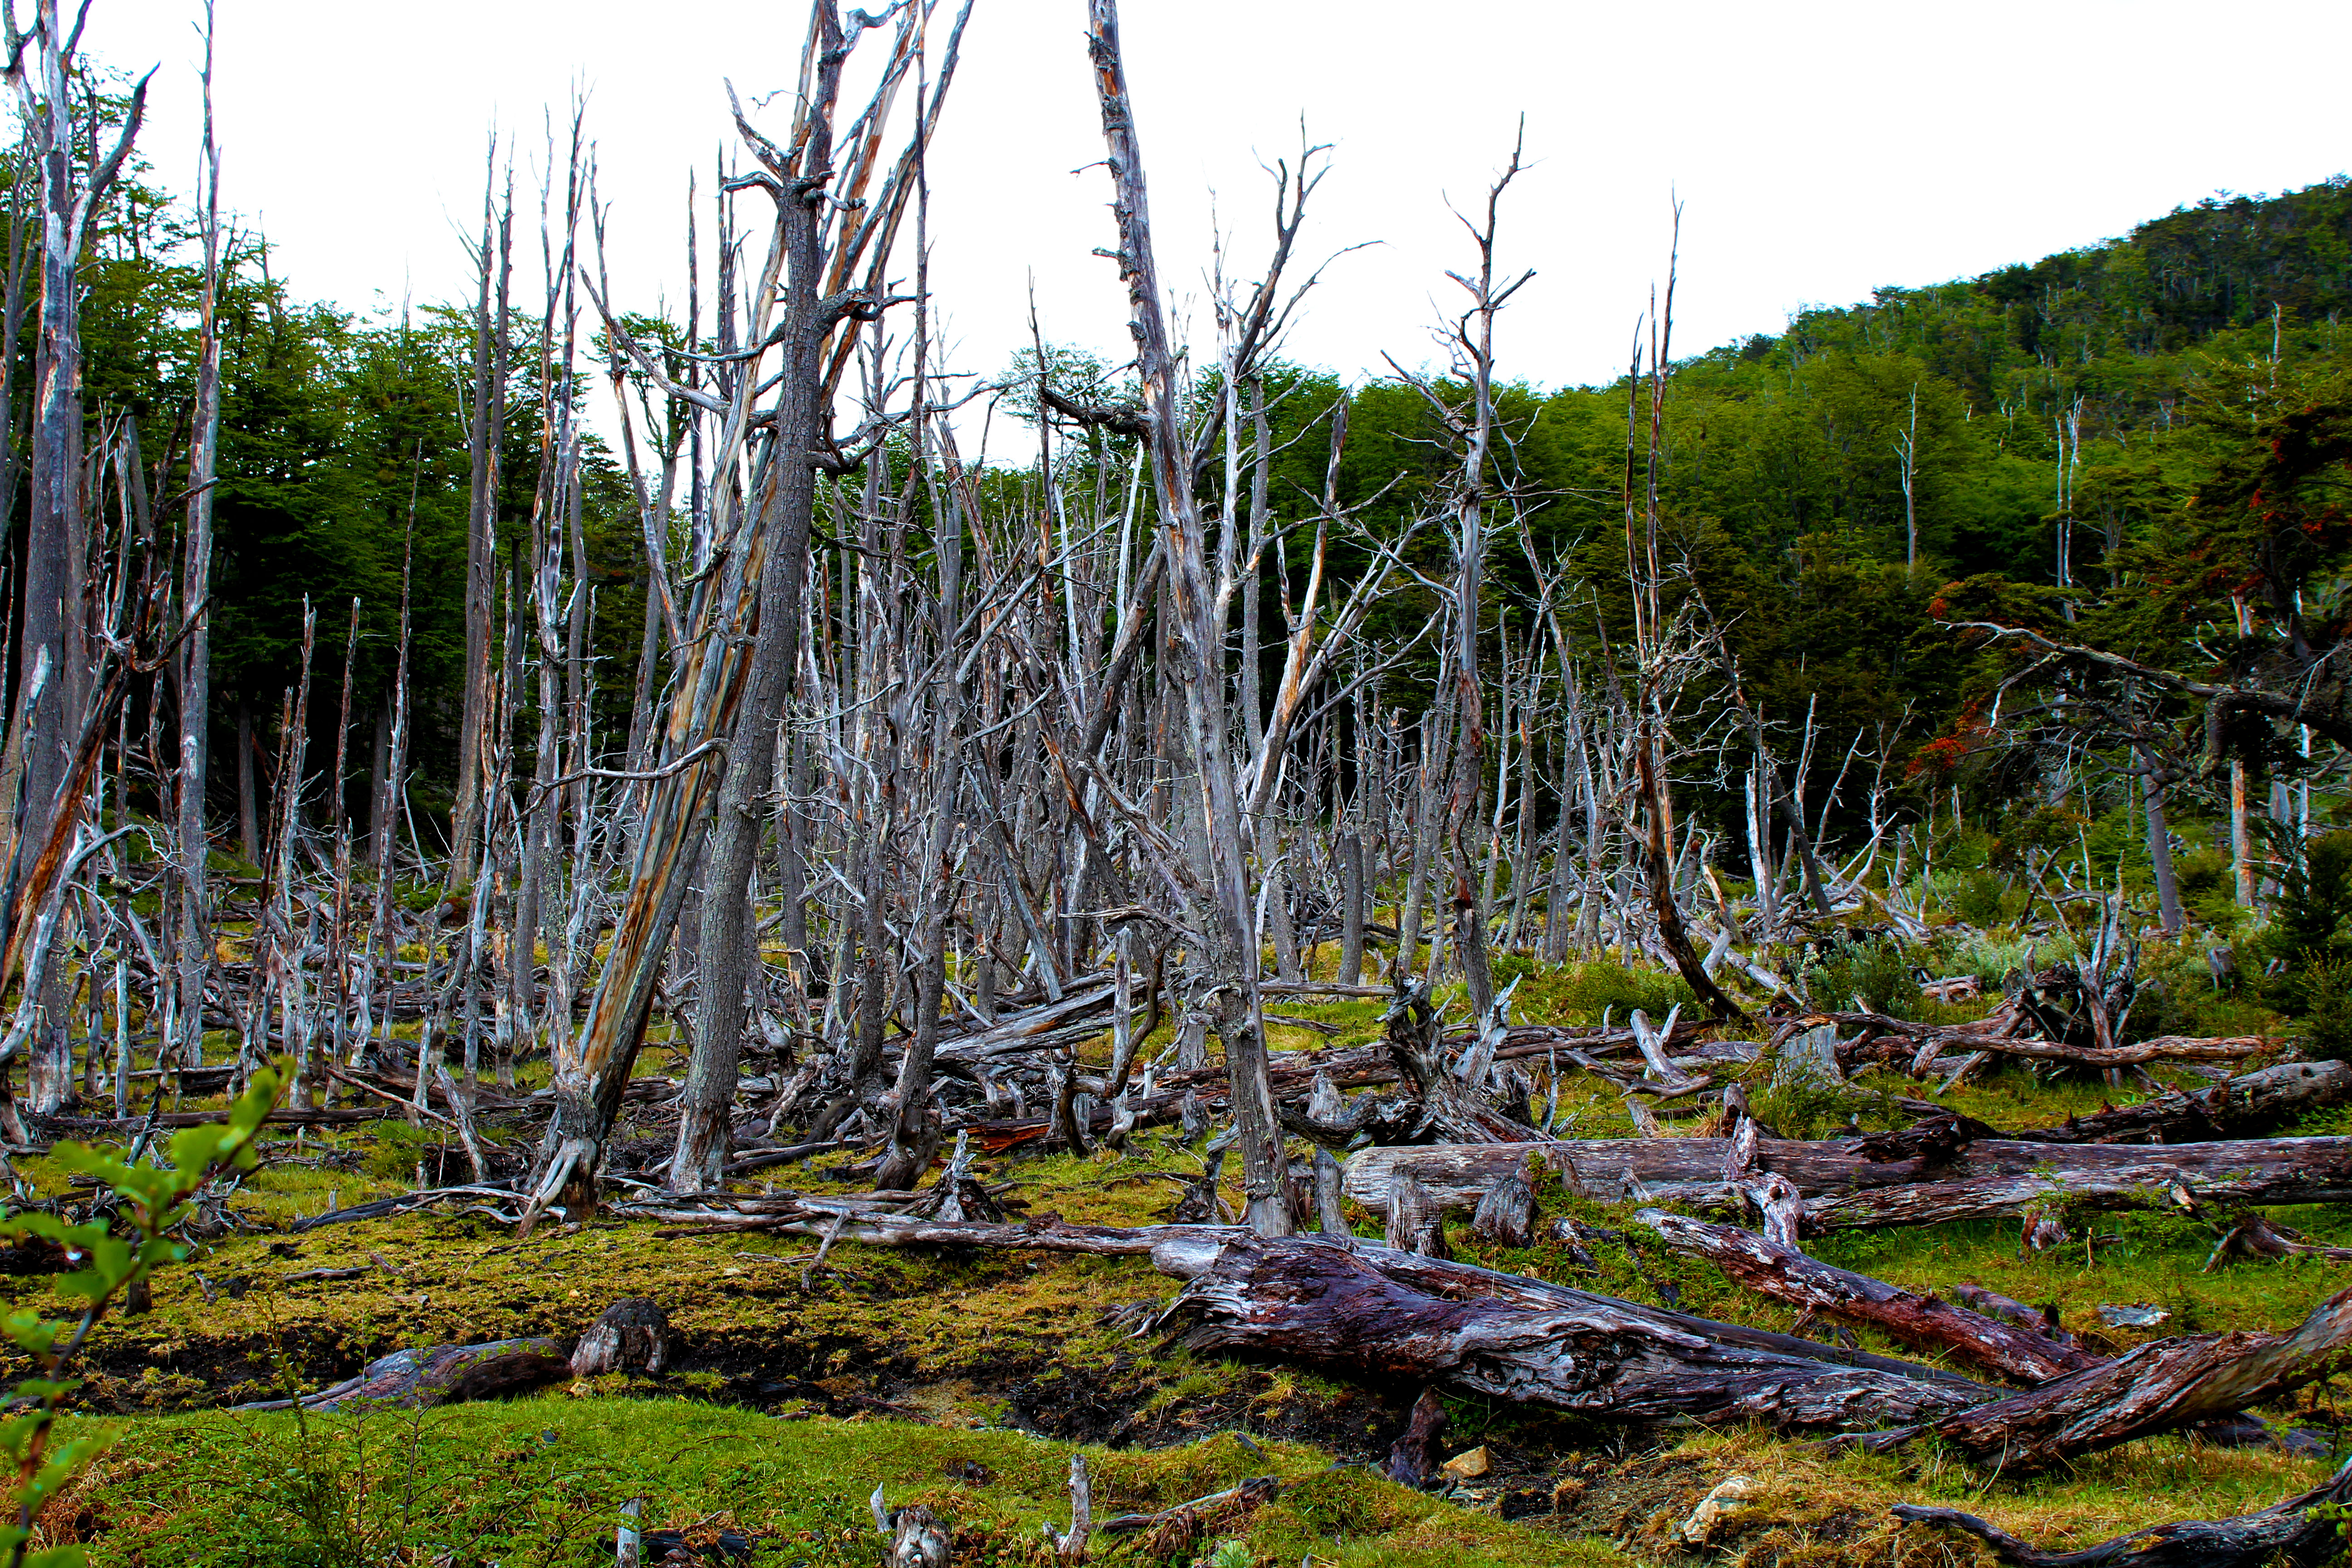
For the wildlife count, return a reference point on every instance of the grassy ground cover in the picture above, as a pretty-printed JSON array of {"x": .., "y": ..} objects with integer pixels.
[{"x": 961, "y": 1380}]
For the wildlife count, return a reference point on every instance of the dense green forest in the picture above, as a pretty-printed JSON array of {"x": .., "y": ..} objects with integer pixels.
[{"x": 1828, "y": 488}]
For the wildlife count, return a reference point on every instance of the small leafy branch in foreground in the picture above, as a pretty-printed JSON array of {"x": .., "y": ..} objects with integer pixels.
[{"x": 152, "y": 1197}]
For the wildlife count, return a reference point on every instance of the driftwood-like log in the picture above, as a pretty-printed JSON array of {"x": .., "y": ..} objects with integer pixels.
[
  {"x": 1507, "y": 1215},
  {"x": 440, "y": 1374},
  {"x": 1414, "y": 1224},
  {"x": 1993, "y": 1034},
  {"x": 1922, "y": 1322},
  {"x": 1365, "y": 1311},
  {"x": 1843, "y": 1188},
  {"x": 2300, "y": 1531},
  {"x": 1293, "y": 1074},
  {"x": 1171, "y": 1528},
  {"x": 2160, "y": 1385}
]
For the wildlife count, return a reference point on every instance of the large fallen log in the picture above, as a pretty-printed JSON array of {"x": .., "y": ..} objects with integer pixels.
[
  {"x": 2160, "y": 1385},
  {"x": 1844, "y": 1187},
  {"x": 2248, "y": 1106},
  {"x": 2302, "y": 1531},
  {"x": 1922, "y": 1322},
  {"x": 1367, "y": 1310},
  {"x": 1997, "y": 1034},
  {"x": 1372, "y": 1311}
]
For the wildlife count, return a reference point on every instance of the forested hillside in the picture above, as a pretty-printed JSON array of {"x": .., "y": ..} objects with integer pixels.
[
  {"x": 552, "y": 801},
  {"x": 1823, "y": 484}
]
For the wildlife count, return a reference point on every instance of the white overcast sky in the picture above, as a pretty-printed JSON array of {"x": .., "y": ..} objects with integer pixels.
[{"x": 1820, "y": 148}]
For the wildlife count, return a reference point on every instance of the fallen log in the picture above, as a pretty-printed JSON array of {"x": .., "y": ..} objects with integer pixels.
[
  {"x": 1993, "y": 1034},
  {"x": 1367, "y": 1310},
  {"x": 2302, "y": 1531},
  {"x": 1172, "y": 1529},
  {"x": 440, "y": 1374},
  {"x": 1922, "y": 1322},
  {"x": 1844, "y": 1187},
  {"x": 2160, "y": 1385},
  {"x": 2248, "y": 1106},
  {"x": 884, "y": 1231}
]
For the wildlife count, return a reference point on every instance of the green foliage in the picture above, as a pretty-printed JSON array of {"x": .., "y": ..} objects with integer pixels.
[
  {"x": 150, "y": 1198},
  {"x": 1978, "y": 898},
  {"x": 2307, "y": 925},
  {"x": 1799, "y": 1100},
  {"x": 1584, "y": 993},
  {"x": 1878, "y": 971},
  {"x": 2324, "y": 1003},
  {"x": 537, "y": 1483},
  {"x": 396, "y": 1147}
]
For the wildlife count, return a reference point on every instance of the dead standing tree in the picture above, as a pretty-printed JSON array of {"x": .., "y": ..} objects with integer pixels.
[
  {"x": 194, "y": 663},
  {"x": 1470, "y": 341},
  {"x": 56, "y": 670},
  {"x": 1217, "y": 905},
  {"x": 730, "y": 680}
]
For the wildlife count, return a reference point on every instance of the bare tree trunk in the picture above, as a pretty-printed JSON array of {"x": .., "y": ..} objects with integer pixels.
[
  {"x": 727, "y": 953},
  {"x": 195, "y": 938},
  {"x": 2159, "y": 844},
  {"x": 1220, "y": 909},
  {"x": 486, "y": 433},
  {"x": 248, "y": 791},
  {"x": 914, "y": 1135},
  {"x": 1352, "y": 908},
  {"x": 74, "y": 182}
]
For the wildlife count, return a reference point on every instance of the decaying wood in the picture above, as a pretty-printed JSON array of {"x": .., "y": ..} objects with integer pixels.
[
  {"x": 1993, "y": 1034},
  {"x": 1993, "y": 1304},
  {"x": 2160, "y": 1385},
  {"x": 1372, "y": 1311},
  {"x": 633, "y": 1335},
  {"x": 1507, "y": 1215},
  {"x": 1922, "y": 1322},
  {"x": 917, "y": 1536},
  {"x": 1293, "y": 1074},
  {"x": 1378, "y": 1313},
  {"x": 2248, "y": 1106},
  {"x": 2302, "y": 1531},
  {"x": 1171, "y": 1528},
  {"x": 1414, "y": 1224},
  {"x": 1842, "y": 1187},
  {"x": 1413, "y": 1458},
  {"x": 2254, "y": 1236},
  {"x": 440, "y": 1374}
]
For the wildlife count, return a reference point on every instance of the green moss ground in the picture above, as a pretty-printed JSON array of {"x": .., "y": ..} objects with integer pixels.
[
  {"x": 795, "y": 1389},
  {"x": 540, "y": 1482}
]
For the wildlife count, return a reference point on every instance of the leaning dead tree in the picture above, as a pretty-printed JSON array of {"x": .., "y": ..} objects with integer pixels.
[{"x": 726, "y": 696}]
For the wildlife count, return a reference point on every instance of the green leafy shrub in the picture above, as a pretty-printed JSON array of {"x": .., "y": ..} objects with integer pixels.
[
  {"x": 2315, "y": 898},
  {"x": 2324, "y": 991},
  {"x": 1878, "y": 971},
  {"x": 1582, "y": 993},
  {"x": 1798, "y": 1100},
  {"x": 1978, "y": 898},
  {"x": 149, "y": 1199}
]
